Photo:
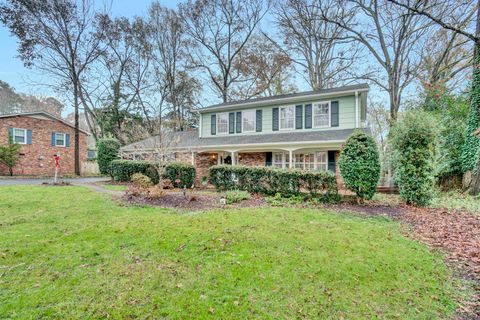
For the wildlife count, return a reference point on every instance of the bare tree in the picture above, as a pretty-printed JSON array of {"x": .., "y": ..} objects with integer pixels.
[
  {"x": 391, "y": 34},
  {"x": 266, "y": 70},
  {"x": 219, "y": 30},
  {"x": 57, "y": 38},
  {"x": 178, "y": 90},
  {"x": 321, "y": 49}
]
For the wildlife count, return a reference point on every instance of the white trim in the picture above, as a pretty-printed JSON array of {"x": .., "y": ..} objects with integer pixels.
[
  {"x": 253, "y": 111},
  {"x": 64, "y": 140},
  {"x": 280, "y": 117},
  {"x": 329, "y": 114},
  {"x": 25, "y": 137},
  {"x": 216, "y": 124},
  {"x": 287, "y": 100},
  {"x": 356, "y": 109}
]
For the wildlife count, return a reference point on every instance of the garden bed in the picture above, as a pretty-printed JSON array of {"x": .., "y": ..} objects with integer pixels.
[{"x": 199, "y": 201}]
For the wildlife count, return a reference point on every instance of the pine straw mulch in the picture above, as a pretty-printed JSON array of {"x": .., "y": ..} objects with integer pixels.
[{"x": 456, "y": 233}]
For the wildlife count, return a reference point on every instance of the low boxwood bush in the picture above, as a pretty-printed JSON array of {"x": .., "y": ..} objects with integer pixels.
[
  {"x": 141, "y": 180},
  {"x": 180, "y": 174},
  {"x": 360, "y": 165},
  {"x": 107, "y": 151},
  {"x": 122, "y": 170},
  {"x": 233, "y": 196},
  {"x": 270, "y": 181}
]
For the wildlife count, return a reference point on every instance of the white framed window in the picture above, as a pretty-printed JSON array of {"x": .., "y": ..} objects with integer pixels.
[
  {"x": 59, "y": 139},
  {"x": 281, "y": 160},
  {"x": 19, "y": 136},
  {"x": 248, "y": 121},
  {"x": 222, "y": 123},
  {"x": 321, "y": 162},
  {"x": 287, "y": 117},
  {"x": 321, "y": 114},
  {"x": 278, "y": 160}
]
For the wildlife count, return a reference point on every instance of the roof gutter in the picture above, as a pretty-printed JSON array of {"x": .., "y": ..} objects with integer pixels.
[{"x": 282, "y": 100}]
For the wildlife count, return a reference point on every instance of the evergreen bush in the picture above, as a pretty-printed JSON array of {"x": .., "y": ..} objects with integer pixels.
[
  {"x": 122, "y": 170},
  {"x": 107, "y": 151},
  {"x": 268, "y": 180},
  {"x": 413, "y": 140},
  {"x": 180, "y": 174},
  {"x": 360, "y": 164}
]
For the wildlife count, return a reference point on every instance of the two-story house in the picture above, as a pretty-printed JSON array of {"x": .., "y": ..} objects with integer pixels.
[{"x": 304, "y": 130}]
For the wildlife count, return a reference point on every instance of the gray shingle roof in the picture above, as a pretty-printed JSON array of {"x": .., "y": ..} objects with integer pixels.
[
  {"x": 190, "y": 139},
  {"x": 278, "y": 98}
]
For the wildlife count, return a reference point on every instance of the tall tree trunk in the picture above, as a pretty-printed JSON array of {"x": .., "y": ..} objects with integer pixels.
[
  {"x": 77, "y": 128},
  {"x": 475, "y": 100}
]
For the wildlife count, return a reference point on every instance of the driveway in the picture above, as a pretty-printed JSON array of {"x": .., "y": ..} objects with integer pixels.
[{"x": 13, "y": 182}]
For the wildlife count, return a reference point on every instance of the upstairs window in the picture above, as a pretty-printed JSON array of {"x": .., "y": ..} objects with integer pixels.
[
  {"x": 60, "y": 139},
  {"x": 222, "y": 123},
  {"x": 287, "y": 117},
  {"x": 321, "y": 114},
  {"x": 20, "y": 136},
  {"x": 248, "y": 121}
]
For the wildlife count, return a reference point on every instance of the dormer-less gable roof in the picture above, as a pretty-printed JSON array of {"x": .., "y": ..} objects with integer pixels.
[
  {"x": 40, "y": 113},
  {"x": 288, "y": 98}
]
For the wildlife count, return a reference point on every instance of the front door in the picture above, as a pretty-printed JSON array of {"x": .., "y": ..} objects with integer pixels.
[{"x": 227, "y": 160}]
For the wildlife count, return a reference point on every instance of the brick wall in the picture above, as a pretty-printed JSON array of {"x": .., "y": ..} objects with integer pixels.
[
  {"x": 252, "y": 159},
  {"x": 37, "y": 158},
  {"x": 203, "y": 161},
  {"x": 183, "y": 157}
]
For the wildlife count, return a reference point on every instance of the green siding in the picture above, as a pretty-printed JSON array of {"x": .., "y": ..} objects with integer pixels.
[{"x": 346, "y": 116}]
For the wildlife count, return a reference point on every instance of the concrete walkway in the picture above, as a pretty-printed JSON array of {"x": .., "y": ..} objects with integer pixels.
[{"x": 31, "y": 181}]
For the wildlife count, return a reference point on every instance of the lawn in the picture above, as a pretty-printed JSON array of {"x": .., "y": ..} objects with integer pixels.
[{"x": 67, "y": 252}]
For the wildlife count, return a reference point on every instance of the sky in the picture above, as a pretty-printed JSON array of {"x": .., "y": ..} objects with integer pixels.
[{"x": 22, "y": 79}]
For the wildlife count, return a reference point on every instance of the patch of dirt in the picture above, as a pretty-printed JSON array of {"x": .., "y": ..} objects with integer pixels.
[{"x": 197, "y": 202}]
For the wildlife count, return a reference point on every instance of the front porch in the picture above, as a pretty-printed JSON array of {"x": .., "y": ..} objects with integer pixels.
[{"x": 304, "y": 158}]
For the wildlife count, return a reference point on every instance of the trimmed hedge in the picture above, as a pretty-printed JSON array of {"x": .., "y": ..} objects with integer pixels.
[
  {"x": 184, "y": 173},
  {"x": 107, "y": 151},
  {"x": 268, "y": 180},
  {"x": 122, "y": 170}
]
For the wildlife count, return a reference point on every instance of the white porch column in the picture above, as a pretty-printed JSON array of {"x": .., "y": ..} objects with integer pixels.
[
  {"x": 234, "y": 162},
  {"x": 193, "y": 157},
  {"x": 290, "y": 154}
]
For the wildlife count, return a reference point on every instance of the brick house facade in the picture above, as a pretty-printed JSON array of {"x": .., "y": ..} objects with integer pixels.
[{"x": 41, "y": 136}]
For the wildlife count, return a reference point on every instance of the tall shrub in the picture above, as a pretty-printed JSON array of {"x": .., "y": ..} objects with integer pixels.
[
  {"x": 360, "y": 164},
  {"x": 107, "y": 151},
  {"x": 413, "y": 141}
]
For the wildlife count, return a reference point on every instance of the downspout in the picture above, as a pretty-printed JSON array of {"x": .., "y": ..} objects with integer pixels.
[
  {"x": 200, "y": 125},
  {"x": 356, "y": 110}
]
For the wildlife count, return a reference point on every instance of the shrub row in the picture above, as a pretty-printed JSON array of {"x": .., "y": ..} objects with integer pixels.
[
  {"x": 180, "y": 174},
  {"x": 122, "y": 170},
  {"x": 268, "y": 180}
]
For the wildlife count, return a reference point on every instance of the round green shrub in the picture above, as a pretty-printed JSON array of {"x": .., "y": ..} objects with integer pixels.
[
  {"x": 141, "y": 180},
  {"x": 107, "y": 151},
  {"x": 413, "y": 140},
  {"x": 360, "y": 164}
]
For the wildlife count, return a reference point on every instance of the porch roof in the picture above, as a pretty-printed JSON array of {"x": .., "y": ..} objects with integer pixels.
[{"x": 190, "y": 140}]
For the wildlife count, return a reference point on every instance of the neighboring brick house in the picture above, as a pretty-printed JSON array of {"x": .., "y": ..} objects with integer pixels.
[
  {"x": 303, "y": 130},
  {"x": 41, "y": 136}
]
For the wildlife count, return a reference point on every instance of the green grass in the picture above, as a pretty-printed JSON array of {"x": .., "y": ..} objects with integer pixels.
[
  {"x": 67, "y": 252},
  {"x": 114, "y": 187}
]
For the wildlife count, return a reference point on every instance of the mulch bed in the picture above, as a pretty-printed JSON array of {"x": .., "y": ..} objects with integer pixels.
[{"x": 197, "y": 202}]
